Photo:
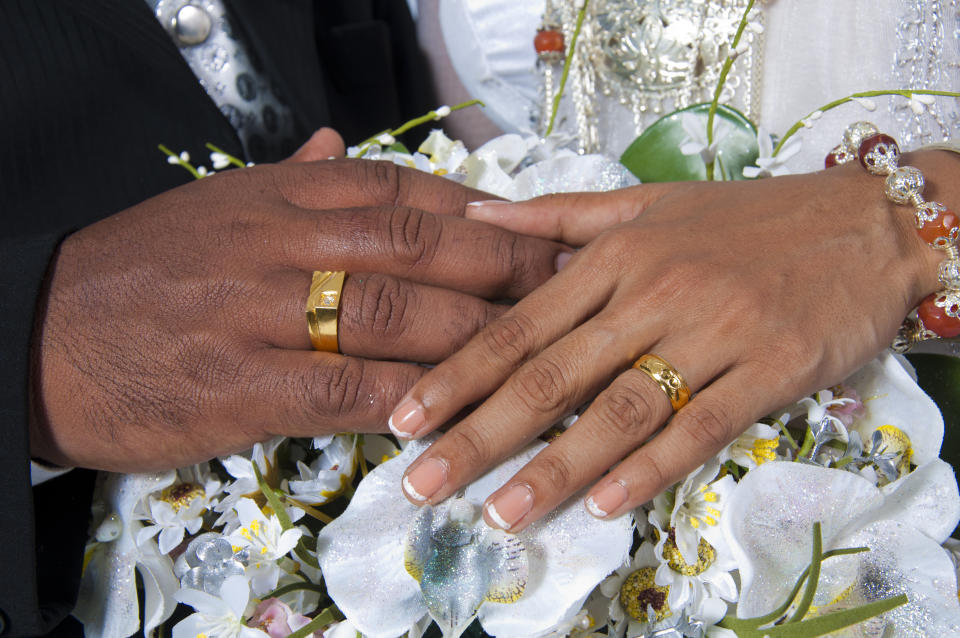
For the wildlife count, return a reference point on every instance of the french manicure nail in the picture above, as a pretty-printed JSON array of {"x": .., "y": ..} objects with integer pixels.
[
  {"x": 425, "y": 479},
  {"x": 562, "y": 259},
  {"x": 607, "y": 499},
  {"x": 511, "y": 506},
  {"x": 407, "y": 419}
]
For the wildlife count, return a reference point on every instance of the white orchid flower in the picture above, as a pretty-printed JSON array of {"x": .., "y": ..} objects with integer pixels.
[
  {"x": 769, "y": 521},
  {"x": 445, "y": 155},
  {"x": 327, "y": 476},
  {"x": 362, "y": 555},
  {"x": 920, "y": 102},
  {"x": 892, "y": 398},
  {"x": 217, "y": 616},
  {"x": 489, "y": 167},
  {"x": 267, "y": 542},
  {"x": 767, "y": 164},
  {"x": 171, "y": 523},
  {"x": 696, "y": 143},
  {"x": 570, "y": 173},
  {"x": 107, "y": 602}
]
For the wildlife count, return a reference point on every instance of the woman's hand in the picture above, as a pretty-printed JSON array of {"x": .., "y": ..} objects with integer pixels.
[{"x": 756, "y": 292}]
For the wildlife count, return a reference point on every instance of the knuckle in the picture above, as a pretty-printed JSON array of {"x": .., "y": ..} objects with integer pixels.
[
  {"x": 511, "y": 337},
  {"x": 333, "y": 388},
  {"x": 557, "y": 472},
  {"x": 382, "y": 177},
  {"x": 540, "y": 386},
  {"x": 473, "y": 447},
  {"x": 511, "y": 257},
  {"x": 627, "y": 410},
  {"x": 382, "y": 306},
  {"x": 658, "y": 477},
  {"x": 412, "y": 235},
  {"x": 707, "y": 424}
]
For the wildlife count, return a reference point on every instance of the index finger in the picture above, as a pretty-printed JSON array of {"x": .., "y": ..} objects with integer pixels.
[{"x": 356, "y": 183}]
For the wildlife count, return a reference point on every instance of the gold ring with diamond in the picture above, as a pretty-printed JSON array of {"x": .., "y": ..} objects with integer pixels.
[
  {"x": 667, "y": 377},
  {"x": 323, "y": 304}
]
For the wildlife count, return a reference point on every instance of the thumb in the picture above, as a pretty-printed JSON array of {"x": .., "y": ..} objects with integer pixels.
[
  {"x": 323, "y": 144},
  {"x": 571, "y": 218}
]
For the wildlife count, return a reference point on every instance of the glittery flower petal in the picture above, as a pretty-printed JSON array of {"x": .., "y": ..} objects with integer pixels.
[{"x": 891, "y": 397}]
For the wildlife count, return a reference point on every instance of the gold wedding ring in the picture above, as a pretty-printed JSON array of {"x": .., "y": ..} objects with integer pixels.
[
  {"x": 323, "y": 305},
  {"x": 665, "y": 376}
]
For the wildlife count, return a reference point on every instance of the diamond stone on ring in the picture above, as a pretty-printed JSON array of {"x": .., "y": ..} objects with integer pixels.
[
  {"x": 665, "y": 376},
  {"x": 323, "y": 305}
]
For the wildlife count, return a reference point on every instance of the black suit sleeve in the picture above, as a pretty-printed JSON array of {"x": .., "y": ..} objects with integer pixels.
[{"x": 88, "y": 88}]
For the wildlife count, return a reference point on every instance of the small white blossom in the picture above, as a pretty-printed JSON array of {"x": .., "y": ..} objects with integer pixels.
[
  {"x": 219, "y": 160},
  {"x": 866, "y": 103},
  {"x": 767, "y": 164},
  {"x": 696, "y": 141},
  {"x": 266, "y": 541},
  {"x": 387, "y": 140},
  {"x": 443, "y": 111},
  {"x": 329, "y": 474},
  {"x": 173, "y": 159},
  {"x": 919, "y": 102},
  {"x": 184, "y": 156},
  {"x": 810, "y": 119},
  {"x": 217, "y": 617}
]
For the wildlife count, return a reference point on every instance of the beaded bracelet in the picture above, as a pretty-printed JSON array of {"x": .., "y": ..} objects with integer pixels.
[{"x": 938, "y": 315}]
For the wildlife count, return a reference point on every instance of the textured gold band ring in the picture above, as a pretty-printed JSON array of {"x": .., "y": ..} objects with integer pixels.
[
  {"x": 323, "y": 305},
  {"x": 667, "y": 377}
]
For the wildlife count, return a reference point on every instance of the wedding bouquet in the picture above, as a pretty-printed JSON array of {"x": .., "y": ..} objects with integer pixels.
[{"x": 831, "y": 516}]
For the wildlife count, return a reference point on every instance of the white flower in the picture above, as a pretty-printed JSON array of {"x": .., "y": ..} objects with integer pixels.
[
  {"x": 488, "y": 168},
  {"x": 107, "y": 602},
  {"x": 769, "y": 522},
  {"x": 818, "y": 412},
  {"x": 386, "y": 139},
  {"x": 327, "y": 476},
  {"x": 266, "y": 541},
  {"x": 378, "y": 449},
  {"x": 810, "y": 119},
  {"x": 362, "y": 555},
  {"x": 219, "y": 160},
  {"x": 892, "y": 398},
  {"x": 866, "y": 103},
  {"x": 184, "y": 156},
  {"x": 767, "y": 165},
  {"x": 443, "y": 154},
  {"x": 442, "y": 111},
  {"x": 240, "y": 466},
  {"x": 755, "y": 446},
  {"x": 696, "y": 141},
  {"x": 180, "y": 507},
  {"x": 217, "y": 617},
  {"x": 919, "y": 102},
  {"x": 694, "y": 509}
]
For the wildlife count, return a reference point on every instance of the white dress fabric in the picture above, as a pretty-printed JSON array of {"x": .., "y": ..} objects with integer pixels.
[{"x": 813, "y": 51}]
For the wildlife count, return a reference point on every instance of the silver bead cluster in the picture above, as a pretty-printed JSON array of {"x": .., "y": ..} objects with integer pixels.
[{"x": 904, "y": 185}]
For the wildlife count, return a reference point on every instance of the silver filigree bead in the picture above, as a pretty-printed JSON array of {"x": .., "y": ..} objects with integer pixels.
[
  {"x": 949, "y": 300},
  {"x": 883, "y": 157},
  {"x": 856, "y": 133},
  {"x": 904, "y": 184},
  {"x": 928, "y": 212},
  {"x": 949, "y": 274}
]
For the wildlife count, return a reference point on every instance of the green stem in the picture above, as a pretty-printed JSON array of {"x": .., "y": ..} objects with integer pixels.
[
  {"x": 186, "y": 165},
  {"x": 808, "y": 442},
  {"x": 277, "y": 506},
  {"x": 813, "y": 579},
  {"x": 286, "y": 589},
  {"x": 329, "y": 615},
  {"x": 236, "y": 161},
  {"x": 566, "y": 68},
  {"x": 832, "y": 105},
  {"x": 728, "y": 63},
  {"x": 417, "y": 121}
]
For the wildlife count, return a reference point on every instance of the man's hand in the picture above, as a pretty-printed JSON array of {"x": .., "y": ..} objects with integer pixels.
[{"x": 175, "y": 331}]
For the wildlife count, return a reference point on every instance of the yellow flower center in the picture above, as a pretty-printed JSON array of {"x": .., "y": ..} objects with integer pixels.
[
  {"x": 706, "y": 556},
  {"x": 181, "y": 495},
  {"x": 764, "y": 450},
  {"x": 895, "y": 441},
  {"x": 639, "y": 591}
]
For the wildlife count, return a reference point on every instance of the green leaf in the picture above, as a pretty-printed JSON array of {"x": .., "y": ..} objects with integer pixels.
[
  {"x": 655, "y": 156},
  {"x": 399, "y": 147}
]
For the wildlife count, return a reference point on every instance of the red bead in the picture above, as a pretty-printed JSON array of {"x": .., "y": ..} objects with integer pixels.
[
  {"x": 940, "y": 318},
  {"x": 879, "y": 153},
  {"x": 548, "y": 41},
  {"x": 837, "y": 156},
  {"x": 942, "y": 229}
]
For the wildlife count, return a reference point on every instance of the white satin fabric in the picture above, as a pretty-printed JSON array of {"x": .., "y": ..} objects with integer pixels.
[{"x": 814, "y": 51}]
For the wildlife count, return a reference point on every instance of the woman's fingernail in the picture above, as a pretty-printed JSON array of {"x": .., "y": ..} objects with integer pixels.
[
  {"x": 407, "y": 419},
  {"x": 511, "y": 506},
  {"x": 607, "y": 499},
  {"x": 562, "y": 259},
  {"x": 425, "y": 479}
]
